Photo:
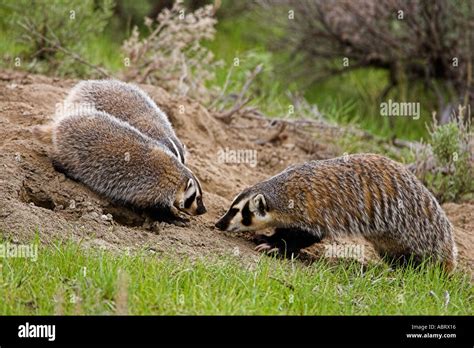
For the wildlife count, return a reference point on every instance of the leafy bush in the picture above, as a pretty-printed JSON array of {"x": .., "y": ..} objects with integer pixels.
[
  {"x": 414, "y": 41},
  {"x": 445, "y": 165},
  {"x": 55, "y": 36},
  {"x": 445, "y": 140}
]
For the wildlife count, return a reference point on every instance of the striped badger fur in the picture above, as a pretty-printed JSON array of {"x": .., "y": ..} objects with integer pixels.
[
  {"x": 128, "y": 103},
  {"x": 132, "y": 156},
  {"x": 363, "y": 194}
]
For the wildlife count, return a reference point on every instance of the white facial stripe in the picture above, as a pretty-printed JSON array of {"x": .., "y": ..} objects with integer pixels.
[
  {"x": 189, "y": 184},
  {"x": 235, "y": 198},
  {"x": 190, "y": 191},
  {"x": 176, "y": 150},
  {"x": 199, "y": 191},
  {"x": 198, "y": 184},
  {"x": 240, "y": 205}
]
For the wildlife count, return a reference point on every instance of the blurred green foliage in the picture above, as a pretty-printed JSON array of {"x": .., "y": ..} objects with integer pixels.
[
  {"x": 450, "y": 144},
  {"x": 75, "y": 25},
  {"x": 100, "y": 27},
  {"x": 352, "y": 98}
]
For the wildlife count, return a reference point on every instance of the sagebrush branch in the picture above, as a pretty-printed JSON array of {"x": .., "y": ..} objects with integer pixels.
[
  {"x": 240, "y": 101},
  {"x": 56, "y": 45}
]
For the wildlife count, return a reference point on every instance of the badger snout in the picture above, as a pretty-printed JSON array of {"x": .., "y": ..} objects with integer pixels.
[
  {"x": 222, "y": 224},
  {"x": 201, "y": 210}
]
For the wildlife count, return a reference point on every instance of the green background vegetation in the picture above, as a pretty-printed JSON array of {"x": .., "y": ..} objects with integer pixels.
[{"x": 349, "y": 98}]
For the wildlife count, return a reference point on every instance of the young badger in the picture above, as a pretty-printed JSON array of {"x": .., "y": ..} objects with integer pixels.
[
  {"x": 120, "y": 162},
  {"x": 362, "y": 194},
  {"x": 128, "y": 103}
]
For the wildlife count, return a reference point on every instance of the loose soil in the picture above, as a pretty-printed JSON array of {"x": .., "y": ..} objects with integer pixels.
[{"x": 35, "y": 199}]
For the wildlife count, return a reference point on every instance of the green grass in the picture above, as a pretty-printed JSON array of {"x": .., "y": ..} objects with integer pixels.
[
  {"x": 149, "y": 284},
  {"x": 105, "y": 52},
  {"x": 354, "y": 97}
]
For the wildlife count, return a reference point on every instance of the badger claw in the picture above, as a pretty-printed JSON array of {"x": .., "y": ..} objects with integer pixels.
[
  {"x": 263, "y": 247},
  {"x": 266, "y": 248}
]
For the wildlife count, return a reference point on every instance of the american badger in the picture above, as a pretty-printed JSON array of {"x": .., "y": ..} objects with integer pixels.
[
  {"x": 115, "y": 159},
  {"x": 113, "y": 138},
  {"x": 363, "y": 194},
  {"x": 128, "y": 103}
]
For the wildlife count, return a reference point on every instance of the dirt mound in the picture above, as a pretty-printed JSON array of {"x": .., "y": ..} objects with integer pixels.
[{"x": 37, "y": 199}]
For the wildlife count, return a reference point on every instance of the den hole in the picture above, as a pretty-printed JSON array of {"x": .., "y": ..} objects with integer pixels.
[{"x": 38, "y": 198}]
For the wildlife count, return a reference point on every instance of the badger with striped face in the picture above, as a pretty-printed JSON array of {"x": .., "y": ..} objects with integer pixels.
[
  {"x": 118, "y": 161},
  {"x": 189, "y": 198},
  {"x": 362, "y": 194},
  {"x": 248, "y": 212}
]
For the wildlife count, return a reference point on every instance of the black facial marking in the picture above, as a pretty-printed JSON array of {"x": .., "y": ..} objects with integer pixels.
[
  {"x": 223, "y": 223},
  {"x": 190, "y": 200},
  {"x": 238, "y": 199},
  {"x": 201, "y": 209},
  {"x": 261, "y": 208},
  {"x": 246, "y": 215},
  {"x": 199, "y": 186},
  {"x": 182, "y": 156}
]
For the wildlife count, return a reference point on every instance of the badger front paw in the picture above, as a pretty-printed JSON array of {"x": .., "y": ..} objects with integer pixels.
[
  {"x": 266, "y": 248},
  {"x": 170, "y": 216},
  {"x": 285, "y": 242},
  {"x": 274, "y": 245}
]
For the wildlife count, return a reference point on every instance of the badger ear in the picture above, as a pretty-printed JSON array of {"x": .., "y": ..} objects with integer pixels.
[{"x": 258, "y": 204}]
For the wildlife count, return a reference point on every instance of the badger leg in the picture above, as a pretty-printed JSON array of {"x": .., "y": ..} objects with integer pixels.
[
  {"x": 410, "y": 259},
  {"x": 168, "y": 215},
  {"x": 61, "y": 169},
  {"x": 286, "y": 241},
  {"x": 176, "y": 220},
  {"x": 401, "y": 259},
  {"x": 411, "y": 252},
  {"x": 395, "y": 252}
]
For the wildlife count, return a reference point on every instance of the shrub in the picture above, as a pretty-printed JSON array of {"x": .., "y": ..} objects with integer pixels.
[
  {"x": 56, "y": 35},
  {"x": 445, "y": 165},
  {"x": 264, "y": 89},
  {"x": 171, "y": 54},
  {"x": 414, "y": 41}
]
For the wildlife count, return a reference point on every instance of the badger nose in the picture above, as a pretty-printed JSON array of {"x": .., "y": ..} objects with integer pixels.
[
  {"x": 201, "y": 210},
  {"x": 220, "y": 225}
]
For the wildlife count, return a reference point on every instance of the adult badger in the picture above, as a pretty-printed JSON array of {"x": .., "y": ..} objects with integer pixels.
[{"x": 364, "y": 194}]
